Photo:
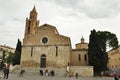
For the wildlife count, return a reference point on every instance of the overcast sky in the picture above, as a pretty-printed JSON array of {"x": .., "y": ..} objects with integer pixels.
[{"x": 72, "y": 18}]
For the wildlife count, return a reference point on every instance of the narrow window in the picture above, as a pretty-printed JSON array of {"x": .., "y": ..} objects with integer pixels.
[
  {"x": 79, "y": 57},
  {"x": 31, "y": 51},
  {"x": 29, "y": 29},
  {"x": 85, "y": 57},
  {"x": 56, "y": 50}
]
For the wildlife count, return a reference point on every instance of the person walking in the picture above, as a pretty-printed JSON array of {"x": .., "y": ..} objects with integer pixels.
[
  {"x": 6, "y": 73},
  {"x": 41, "y": 72},
  {"x": 76, "y": 75},
  {"x": 46, "y": 72}
]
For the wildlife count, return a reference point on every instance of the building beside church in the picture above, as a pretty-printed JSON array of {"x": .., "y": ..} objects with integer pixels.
[
  {"x": 114, "y": 59},
  {"x": 79, "y": 56},
  {"x": 5, "y": 50},
  {"x": 44, "y": 47}
]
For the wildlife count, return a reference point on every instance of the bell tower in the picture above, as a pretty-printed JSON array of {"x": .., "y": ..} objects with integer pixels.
[{"x": 31, "y": 23}]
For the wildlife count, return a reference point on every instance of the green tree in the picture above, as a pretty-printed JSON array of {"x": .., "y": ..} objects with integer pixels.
[
  {"x": 17, "y": 55},
  {"x": 10, "y": 58},
  {"x": 2, "y": 63},
  {"x": 97, "y": 54},
  {"x": 93, "y": 51},
  {"x": 3, "y": 56}
]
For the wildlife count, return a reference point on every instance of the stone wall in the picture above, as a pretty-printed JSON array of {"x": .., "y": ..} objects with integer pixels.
[
  {"x": 83, "y": 71},
  {"x": 52, "y": 60}
]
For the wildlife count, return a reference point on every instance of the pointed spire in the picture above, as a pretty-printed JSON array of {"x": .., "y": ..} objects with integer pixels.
[
  {"x": 33, "y": 13},
  {"x": 34, "y": 9}
]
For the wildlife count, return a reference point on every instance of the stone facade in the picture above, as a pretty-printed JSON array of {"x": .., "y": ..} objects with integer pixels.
[
  {"x": 114, "y": 59},
  {"x": 43, "y": 46},
  {"x": 79, "y": 56}
]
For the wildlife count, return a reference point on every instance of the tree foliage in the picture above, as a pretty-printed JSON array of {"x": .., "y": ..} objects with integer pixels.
[
  {"x": 97, "y": 54},
  {"x": 17, "y": 55},
  {"x": 10, "y": 58},
  {"x": 3, "y": 57},
  {"x": 2, "y": 65}
]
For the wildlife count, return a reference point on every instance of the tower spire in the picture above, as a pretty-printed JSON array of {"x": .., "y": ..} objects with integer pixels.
[
  {"x": 33, "y": 13},
  {"x": 32, "y": 23},
  {"x": 34, "y": 9}
]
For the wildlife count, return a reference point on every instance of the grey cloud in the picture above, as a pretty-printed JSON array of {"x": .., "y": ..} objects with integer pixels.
[
  {"x": 2, "y": 23},
  {"x": 102, "y": 8},
  {"x": 92, "y": 8},
  {"x": 16, "y": 19},
  {"x": 66, "y": 3}
]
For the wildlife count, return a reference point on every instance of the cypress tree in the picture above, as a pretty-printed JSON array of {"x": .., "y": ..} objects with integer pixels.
[{"x": 17, "y": 55}]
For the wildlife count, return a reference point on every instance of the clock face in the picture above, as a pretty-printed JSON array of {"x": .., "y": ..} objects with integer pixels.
[{"x": 44, "y": 40}]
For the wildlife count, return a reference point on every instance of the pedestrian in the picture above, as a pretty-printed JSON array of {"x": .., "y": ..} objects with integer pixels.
[
  {"x": 46, "y": 72},
  {"x": 52, "y": 73},
  {"x": 41, "y": 72},
  {"x": 116, "y": 77},
  {"x": 68, "y": 69},
  {"x": 6, "y": 73},
  {"x": 76, "y": 75}
]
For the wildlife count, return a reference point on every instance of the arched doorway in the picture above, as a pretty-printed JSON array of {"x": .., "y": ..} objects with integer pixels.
[{"x": 43, "y": 61}]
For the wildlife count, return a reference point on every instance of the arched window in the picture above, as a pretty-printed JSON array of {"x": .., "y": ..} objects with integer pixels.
[{"x": 43, "y": 55}]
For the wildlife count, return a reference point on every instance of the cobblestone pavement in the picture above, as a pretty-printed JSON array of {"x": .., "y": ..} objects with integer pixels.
[{"x": 36, "y": 76}]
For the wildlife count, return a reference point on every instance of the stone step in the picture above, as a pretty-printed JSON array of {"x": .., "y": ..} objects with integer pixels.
[{"x": 58, "y": 71}]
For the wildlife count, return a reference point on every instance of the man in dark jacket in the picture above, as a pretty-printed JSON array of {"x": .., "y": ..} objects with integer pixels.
[{"x": 6, "y": 73}]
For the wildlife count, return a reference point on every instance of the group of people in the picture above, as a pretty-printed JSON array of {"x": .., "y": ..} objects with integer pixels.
[{"x": 47, "y": 73}]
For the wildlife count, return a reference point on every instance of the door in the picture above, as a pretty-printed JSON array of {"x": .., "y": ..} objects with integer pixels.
[{"x": 43, "y": 61}]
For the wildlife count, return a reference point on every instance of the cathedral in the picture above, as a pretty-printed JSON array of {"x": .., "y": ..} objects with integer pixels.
[{"x": 44, "y": 47}]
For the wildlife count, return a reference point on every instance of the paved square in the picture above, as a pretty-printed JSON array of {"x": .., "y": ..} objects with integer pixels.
[{"x": 36, "y": 76}]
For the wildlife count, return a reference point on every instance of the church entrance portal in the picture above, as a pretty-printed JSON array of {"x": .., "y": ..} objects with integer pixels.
[{"x": 43, "y": 61}]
